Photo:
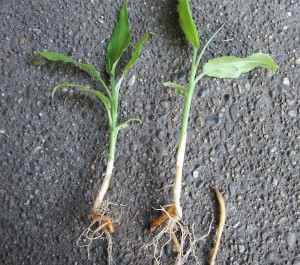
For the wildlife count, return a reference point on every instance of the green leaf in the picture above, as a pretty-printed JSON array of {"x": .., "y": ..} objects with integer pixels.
[
  {"x": 187, "y": 23},
  {"x": 119, "y": 40},
  {"x": 54, "y": 89},
  {"x": 181, "y": 90},
  {"x": 99, "y": 95},
  {"x": 55, "y": 56},
  {"x": 233, "y": 67},
  {"x": 125, "y": 123},
  {"x": 136, "y": 52},
  {"x": 92, "y": 70},
  {"x": 102, "y": 97}
]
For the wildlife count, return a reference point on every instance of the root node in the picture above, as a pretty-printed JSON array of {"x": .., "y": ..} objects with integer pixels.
[{"x": 101, "y": 227}]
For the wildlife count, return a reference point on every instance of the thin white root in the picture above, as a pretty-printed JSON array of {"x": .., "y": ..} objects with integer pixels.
[
  {"x": 184, "y": 241},
  {"x": 99, "y": 229}
]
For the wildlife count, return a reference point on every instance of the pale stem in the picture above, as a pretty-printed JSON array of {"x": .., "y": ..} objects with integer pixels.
[
  {"x": 183, "y": 135},
  {"x": 178, "y": 175},
  {"x": 105, "y": 184}
]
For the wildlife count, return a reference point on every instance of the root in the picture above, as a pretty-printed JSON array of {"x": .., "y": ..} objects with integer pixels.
[
  {"x": 101, "y": 228},
  {"x": 221, "y": 223},
  {"x": 175, "y": 231}
]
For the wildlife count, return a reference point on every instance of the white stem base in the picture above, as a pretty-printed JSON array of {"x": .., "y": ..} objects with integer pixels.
[
  {"x": 105, "y": 184},
  {"x": 178, "y": 175}
]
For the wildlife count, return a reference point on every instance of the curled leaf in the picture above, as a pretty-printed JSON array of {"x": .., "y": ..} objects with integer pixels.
[
  {"x": 136, "y": 52},
  {"x": 55, "y": 56},
  {"x": 119, "y": 41},
  {"x": 181, "y": 90},
  {"x": 233, "y": 67},
  {"x": 187, "y": 23},
  {"x": 125, "y": 123}
]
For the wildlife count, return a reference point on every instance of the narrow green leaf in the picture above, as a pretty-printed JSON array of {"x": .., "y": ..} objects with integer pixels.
[
  {"x": 187, "y": 23},
  {"x": 136, "y": 52},
  {"x": 125, "y": 123},
  {"x": 99, "y": 95},
  {"x": 92, "y": 70},
  {"x": 119, "y": 40},
  {"x": 54, "y": 89},
  {"x": 55, "y": 56},
  {"x": 233, "y": 67},
  {"x": 181, "y": 90}
]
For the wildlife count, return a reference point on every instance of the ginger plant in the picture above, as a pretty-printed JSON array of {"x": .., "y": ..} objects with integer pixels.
[
  {"x": 223, "y": 67},
  {"x": 101, "y": 222}
]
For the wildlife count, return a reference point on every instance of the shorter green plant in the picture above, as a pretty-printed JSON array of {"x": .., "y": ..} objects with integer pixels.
[
  {"x": 101, "y": 223},
  {"x": 222, "y": 67}
]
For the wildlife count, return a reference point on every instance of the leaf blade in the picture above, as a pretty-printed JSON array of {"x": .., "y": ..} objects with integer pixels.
[
  {"x": 55, "y": 56},
  {"x": 181, "y": 90},
  {"x": 99, "y": 95},
  {"x": 119, "y": 41},
  {"x": 136, "y": 52},
  {"x": 188, "y": 24},
  {"x": 66, "y": 84},
  {"x": 233, "y": 67}
]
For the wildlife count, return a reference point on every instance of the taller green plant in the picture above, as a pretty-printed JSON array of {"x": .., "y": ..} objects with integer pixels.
[
  {"x": 118, "y": 43},
  {"x": 222, "y": 67}
]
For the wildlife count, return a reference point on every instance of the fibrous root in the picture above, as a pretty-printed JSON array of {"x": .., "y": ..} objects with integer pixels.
[
  {"x": 174, "y": 230},
  {"x": 101, "y": 227}
]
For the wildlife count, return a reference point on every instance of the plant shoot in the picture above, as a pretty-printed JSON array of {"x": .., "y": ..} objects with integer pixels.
[
  {"x": 101, "y": 223},
  {"x": 222, "y": 67}
]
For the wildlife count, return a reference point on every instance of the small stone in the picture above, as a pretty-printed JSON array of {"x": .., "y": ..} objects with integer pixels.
[
  {"x": 203, "y": 92},
  {"x": 181, "y": 76},
  {"x": 189, "y": 179},
  {"x": 131, "y": 81},
  {"x": 232, "y": 190},
  {"x": 220, "y": 148},
  {"x": 37, "y": 31},
  {"x": 234, "y": 113},
  {"x": 22, "y": 40},
  {"x": 48, "y": 94},
  {"x": 199, "y": 121},
  {"x": 241, "y": 249},
  {"x": 286, "y": 81},
  {"x": 161, "y": 151},
  {"x": 271, "y": 256},
  {"x": 291, "y": 239},
  {"x": 213, "y": 120},
  {"x": 233, "y": 162},
  {"x": 273, "y": 149},
  {"x": 195, "y": 174},
  {"x": 165, "y": 104},
  {"x": 124, "y": 104},
  {"x": 48, "y": 143},
  {"x": 11, "y": 203},
  {"x": 298, "y": 61},
  {"x": 86, "y": 116},
  {"x": 230, "y": 147},
  {"x": 199, "y": 184},
  {"x": 292, "y": 113}
]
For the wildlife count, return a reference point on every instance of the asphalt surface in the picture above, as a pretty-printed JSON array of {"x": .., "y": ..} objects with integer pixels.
[{"x": 243, "y": 134}]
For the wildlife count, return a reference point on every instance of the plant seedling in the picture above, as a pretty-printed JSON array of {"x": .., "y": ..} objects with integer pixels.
[
  {"x": 222, "y": 67},
  {"x": 101, "y": 224}
]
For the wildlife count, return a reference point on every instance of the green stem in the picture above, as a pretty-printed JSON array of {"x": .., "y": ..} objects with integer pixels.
[{"x": 183, "y": 133}]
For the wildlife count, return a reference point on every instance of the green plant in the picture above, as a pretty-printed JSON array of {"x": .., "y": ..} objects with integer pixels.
[
  {"x": 120, "y": 40},
  {"x": 223, "y": 67}
]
